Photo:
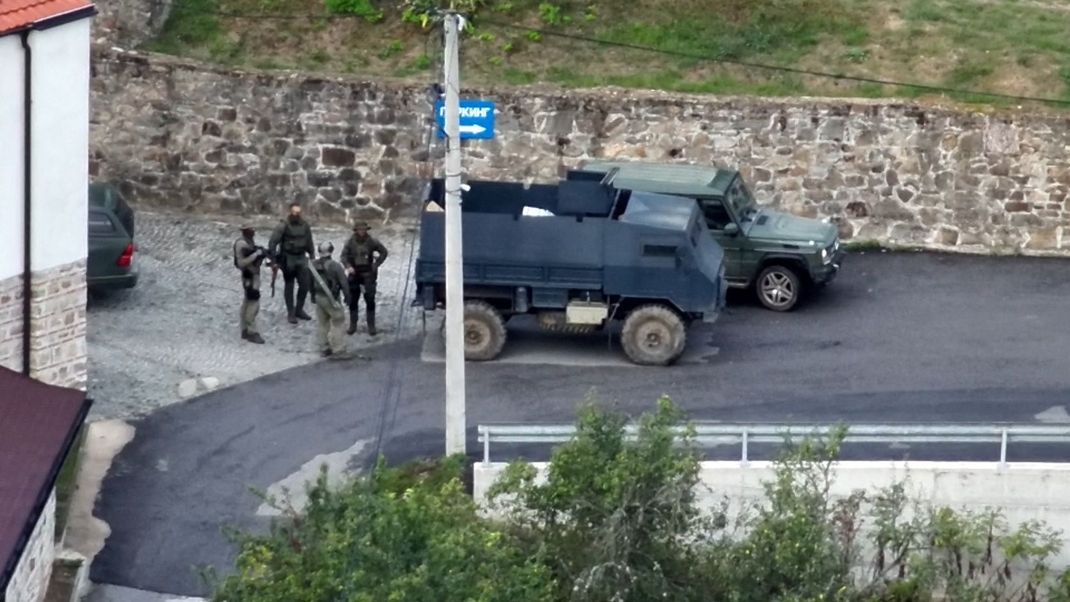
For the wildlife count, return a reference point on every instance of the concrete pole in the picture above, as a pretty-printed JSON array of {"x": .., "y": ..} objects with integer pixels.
[{"x": 455, "y": 395}]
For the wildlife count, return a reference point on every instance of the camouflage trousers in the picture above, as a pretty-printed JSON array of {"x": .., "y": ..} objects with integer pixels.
[
  {"x": 250, "y": 305},
  {"x": 330, "y": 325}
]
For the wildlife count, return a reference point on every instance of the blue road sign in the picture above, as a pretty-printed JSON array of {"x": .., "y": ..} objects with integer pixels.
[{"x": 477, "y": 119}]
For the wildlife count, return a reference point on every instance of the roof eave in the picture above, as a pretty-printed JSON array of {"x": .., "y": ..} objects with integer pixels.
[
  {"x": 8, "y": 569},
  {"x": 75, "y": 14}
]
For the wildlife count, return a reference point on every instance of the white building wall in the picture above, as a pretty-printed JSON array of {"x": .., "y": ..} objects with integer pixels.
[
  {"x": 11, "y": 166},
  {"x": 60, "y": 144},
  {"x": 60, "y": 164}
]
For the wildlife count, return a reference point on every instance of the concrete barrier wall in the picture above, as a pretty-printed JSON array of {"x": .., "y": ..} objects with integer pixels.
[{"x": 1023, "y": 491}]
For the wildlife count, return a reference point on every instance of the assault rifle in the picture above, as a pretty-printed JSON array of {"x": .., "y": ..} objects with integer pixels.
[
  {"x": 275, "y": 264},
  {"x": 272, "y": 262}
]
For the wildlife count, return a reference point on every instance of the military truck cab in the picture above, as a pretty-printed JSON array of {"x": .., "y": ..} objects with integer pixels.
[
  {"x": 578, "y": 256},
  {"x": 778, "y": 254}
]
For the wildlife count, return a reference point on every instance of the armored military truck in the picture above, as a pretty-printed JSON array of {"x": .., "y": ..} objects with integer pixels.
[
  {"x": 779, "y": 255},
  {"x": 579, "y": 255}
]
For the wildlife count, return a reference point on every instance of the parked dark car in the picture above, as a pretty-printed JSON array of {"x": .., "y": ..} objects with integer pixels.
[{"x": 110, "y": 264}]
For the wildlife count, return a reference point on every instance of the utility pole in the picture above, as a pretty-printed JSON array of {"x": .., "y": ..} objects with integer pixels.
[{"x": 455, "y": 396}]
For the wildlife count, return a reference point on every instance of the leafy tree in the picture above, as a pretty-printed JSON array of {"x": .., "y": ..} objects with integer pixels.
[
  {"x": 615, "y": 518},
  {"x": 396, "y": 535},
  {"x": 799, "y": 543}
]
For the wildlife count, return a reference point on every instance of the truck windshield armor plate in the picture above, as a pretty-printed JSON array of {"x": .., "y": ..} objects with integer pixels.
[{"x": 659, "y": 211}]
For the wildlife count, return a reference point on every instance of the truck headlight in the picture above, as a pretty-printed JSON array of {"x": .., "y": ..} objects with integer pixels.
[{"x": 825, "y": 256}]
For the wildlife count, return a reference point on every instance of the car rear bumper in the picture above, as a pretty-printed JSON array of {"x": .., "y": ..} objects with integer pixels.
[{"x": 116, "y": 282}]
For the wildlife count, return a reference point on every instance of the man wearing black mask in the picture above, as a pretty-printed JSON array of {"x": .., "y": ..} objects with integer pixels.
[{"x": 291, "y": 245}]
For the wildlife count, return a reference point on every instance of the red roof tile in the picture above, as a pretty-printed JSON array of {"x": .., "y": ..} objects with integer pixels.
[
  {"x": 20, "y": 14},
  {"x": 37, "y": 426}
]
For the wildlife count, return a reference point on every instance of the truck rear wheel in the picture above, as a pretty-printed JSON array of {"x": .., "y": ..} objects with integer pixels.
[
  {"x": 653, "y": 335},
  {"x": 484, "y": 331}
]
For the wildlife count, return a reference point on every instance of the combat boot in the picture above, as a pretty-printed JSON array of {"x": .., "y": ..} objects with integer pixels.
[
  {"x": 300, "y": 312},
  {"x": 371, "y": 323},
  {"x": 253, "y": 338},
  {"x": 353, "y": 318},
  {"x": 290, "y": 317}
]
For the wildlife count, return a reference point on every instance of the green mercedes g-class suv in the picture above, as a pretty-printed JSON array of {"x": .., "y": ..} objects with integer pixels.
[{"x": 778, "y": 254}]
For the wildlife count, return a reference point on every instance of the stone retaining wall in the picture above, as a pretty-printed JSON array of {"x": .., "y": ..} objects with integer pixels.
[
  {"x": 11, "y": 295},
  {"x": 57, "y": 323},
  {"x": 58, "y": 319},
  {"x": 186, "y": 136},
  {"x": 29, "y": 581}
]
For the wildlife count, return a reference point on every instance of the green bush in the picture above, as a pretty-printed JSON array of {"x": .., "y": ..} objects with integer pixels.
[
  {"x": 613, "y": 516},
  {"x": 616, "y": 519},
  {"x": 190, "y": 23},
  {"x": 360, "y": 8},
  {"x": 400, "y": 534}
]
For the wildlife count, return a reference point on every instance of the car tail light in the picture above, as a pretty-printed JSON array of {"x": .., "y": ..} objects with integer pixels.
[{"x": 127, "y": 257}]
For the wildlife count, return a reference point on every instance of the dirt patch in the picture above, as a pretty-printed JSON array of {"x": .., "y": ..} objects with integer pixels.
[
  {"x": 104, "y": 440},
  {"x": 893, "y": 22},
  {"x": 1011, "y": 79}
]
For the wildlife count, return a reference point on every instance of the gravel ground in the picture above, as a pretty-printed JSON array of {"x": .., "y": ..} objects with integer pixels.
[{"x": 176, "y": 334}]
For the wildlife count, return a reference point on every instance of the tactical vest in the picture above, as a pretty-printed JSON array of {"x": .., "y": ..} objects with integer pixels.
[
  {"x": 237, "y": 251},
  {"x": 294, "y": 237},
  {"x": 362, "y": 252}
]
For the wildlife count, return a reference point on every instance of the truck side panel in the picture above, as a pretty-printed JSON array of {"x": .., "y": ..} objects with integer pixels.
[
  {"x": 556, "y": 253},
  {"x": 643, "y": 262}
]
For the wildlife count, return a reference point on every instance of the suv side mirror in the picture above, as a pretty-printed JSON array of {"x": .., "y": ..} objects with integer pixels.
[{"x": 731, "y": 229}]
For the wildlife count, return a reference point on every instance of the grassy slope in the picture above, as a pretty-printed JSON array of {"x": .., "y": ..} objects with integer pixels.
[{"x": 1008, "y": 46}]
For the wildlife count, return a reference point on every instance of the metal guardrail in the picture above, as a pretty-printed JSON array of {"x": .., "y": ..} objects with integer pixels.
[{"x": 709, "y": 434}]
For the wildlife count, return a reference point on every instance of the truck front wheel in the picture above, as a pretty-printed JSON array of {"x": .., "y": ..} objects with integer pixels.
[
  {"x": 653, "y": 335},
  {"x": 484, "y": 331}
]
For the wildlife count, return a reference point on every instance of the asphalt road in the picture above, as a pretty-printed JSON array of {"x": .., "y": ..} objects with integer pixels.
[{"x": 898, "y": 338}]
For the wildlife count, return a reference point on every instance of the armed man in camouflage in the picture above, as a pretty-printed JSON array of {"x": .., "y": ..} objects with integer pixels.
[
  {"x": 362, "y": 256},
  {"x": 290, "y": 243},
  {"x": 248, "y": 257},
  {"x": 329, "y": 287}
]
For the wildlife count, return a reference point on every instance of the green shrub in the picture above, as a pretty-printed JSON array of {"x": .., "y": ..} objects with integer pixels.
[
  {"x": 190, "y": 23},
  {"x": 615, "y": 519},
  {"x": 400, "y": 534},
  {"x": 360, "y": 8},
  {"x": 613, "y": 516}
]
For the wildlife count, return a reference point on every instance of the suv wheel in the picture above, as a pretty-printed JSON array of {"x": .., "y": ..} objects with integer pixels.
[
  {"x": 778, "y": 288},
  {"x": 653, "y": 335},
  {"x": 484, "y": 331}
]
